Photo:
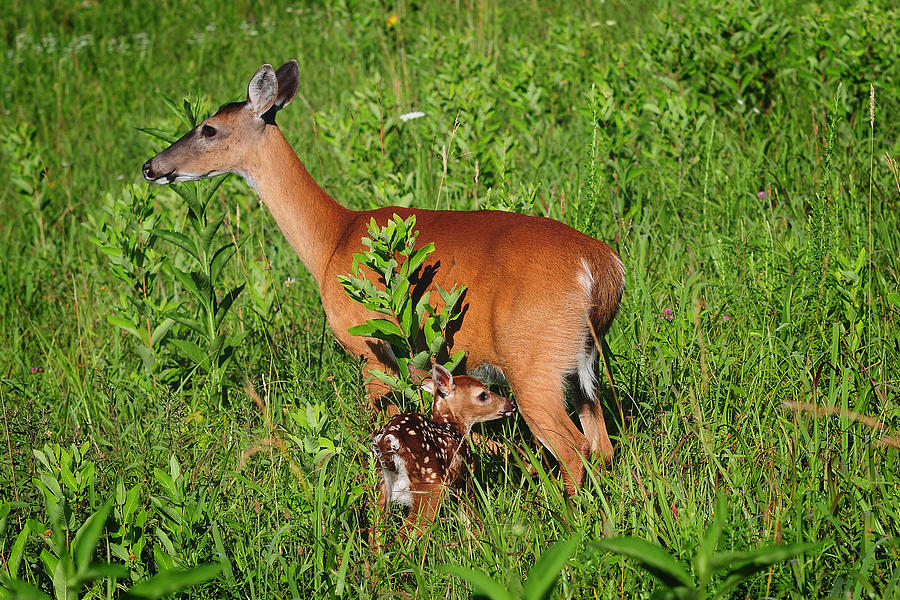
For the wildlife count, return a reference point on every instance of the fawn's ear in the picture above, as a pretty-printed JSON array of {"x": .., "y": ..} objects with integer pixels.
[
  {"x": 440, "y": 383},
  {"x": 443, "y": 379}
]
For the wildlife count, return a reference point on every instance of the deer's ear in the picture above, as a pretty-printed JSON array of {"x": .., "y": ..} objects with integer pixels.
[
  {"x": 443, "y": 379},
  {"x": 288, "y": 76},
  {"x": 263, "y": 90}
]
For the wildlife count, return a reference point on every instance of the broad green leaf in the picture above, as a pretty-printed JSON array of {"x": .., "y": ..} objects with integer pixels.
[
  {"x": 193, "y": 352},
  {"x": 173, "y": 580},
  {"x": 63, "y": 578},
  {"x": 101, "y": 571},
  {"x": 480, "y": 582},
  {"x": 174, "y": 467},
  {"x": 216, "y": 184},
  {"x": 381, "y": 329},
  {"x": 25, "y": 591},
  {"x": 165, "y": 480},
  {"x": 894, "y": 298},
  {"x": 546, "y": 570},
  {"x": 161, "y": 330},
  {"x": 184, "y": 319},
  {"x": 131, "y": 501},
  {"x": 180, "y": 240},
  {"x": 165, "y": 541},
  {"x": 761, "y": 557},
  {"x": 745, "y": 564},
  {"x": 418, "y": 258},
  {"x": 186, "y": 281},
  {"x": 123, "y": 324},
  {"x": 220, "y": 259},
  {"x": 65, "y": 474},
  {"x": 455, "y": 360},
  {"x": 226, "y": 302},
  {"x": 651, "y": 557},
  {"x": 162, "y": 560},
  {"x": 209, "y": 233},
  {"x": 17, "y": 552},
  {"x": 88, "y": 535},
  {"x": 399, "y": 292},
  {"x": 120, "y": 492}
]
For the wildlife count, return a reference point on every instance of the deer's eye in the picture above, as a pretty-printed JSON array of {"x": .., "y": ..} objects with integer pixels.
[
  {"x": 482, "y": 397},
  {"x": 208, "y": 131}
]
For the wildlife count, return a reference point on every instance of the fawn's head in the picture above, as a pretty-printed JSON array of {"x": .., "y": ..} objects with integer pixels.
[
  {"x": 463, "y": 400},
  {"x": 220, "y": 143}
]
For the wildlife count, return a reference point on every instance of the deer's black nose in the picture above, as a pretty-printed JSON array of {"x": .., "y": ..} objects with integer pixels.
[{"x": 147, "y": 170}]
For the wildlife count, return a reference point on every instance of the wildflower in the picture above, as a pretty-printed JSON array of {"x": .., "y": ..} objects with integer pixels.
[
  {"x": 411, "y": 116},
  {"x": 34, "y": 370},
  {"x": 740, "y": 101},
  {"x": 668, "y": 314},
  {"x": 726, "y": 318},
  {"x": 289, "y": 282},
  {"x": 392, "y": 20},
  {"x": 762, "y": 195}
]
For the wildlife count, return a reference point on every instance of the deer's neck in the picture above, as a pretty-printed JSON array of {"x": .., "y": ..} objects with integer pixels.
[
  {"x": 310, "y": 219},
  {"x": 441, "y": 413}
]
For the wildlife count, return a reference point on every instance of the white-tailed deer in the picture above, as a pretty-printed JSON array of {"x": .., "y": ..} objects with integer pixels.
[
  {"x": 540, "y": 294},
  {"x": 420, "y": 458}
]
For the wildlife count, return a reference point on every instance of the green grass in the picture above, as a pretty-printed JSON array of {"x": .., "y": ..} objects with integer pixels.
[{"x": 653, "y": 126}]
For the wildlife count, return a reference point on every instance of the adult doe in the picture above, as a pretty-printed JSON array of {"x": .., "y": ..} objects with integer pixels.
[{"x": 540, "y": 294}]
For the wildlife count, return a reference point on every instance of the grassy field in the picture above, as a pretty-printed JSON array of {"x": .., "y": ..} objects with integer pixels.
[{"x": 734, "y": 156}]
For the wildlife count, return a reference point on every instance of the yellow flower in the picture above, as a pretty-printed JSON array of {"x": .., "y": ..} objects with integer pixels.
[{"x": 392, "y": 20}]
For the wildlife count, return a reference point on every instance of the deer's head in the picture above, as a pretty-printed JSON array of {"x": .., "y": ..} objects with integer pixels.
[{"x": 224, "y": 142}]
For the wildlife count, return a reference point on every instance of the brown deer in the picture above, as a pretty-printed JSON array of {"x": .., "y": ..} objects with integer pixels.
[
  {"x": 420, "y": 458},
  {"x": 540, "y": 296}
]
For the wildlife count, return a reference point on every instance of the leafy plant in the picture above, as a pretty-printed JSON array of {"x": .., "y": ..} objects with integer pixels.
[
  {"x": 125, "y": 234},
  {"x": 68, "y": 560},
  {"x": 732, "y": 567},
  {"x": 396, "y": 264},
  {"x": 214, "y": 347},
  {"x": 541, "y": 577},
  {"x": 129, "y": 233},
  {"x": 27, "y": 174}
]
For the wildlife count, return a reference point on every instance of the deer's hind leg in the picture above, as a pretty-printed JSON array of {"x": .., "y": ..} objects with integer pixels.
[{"x": 426, "y": 500}]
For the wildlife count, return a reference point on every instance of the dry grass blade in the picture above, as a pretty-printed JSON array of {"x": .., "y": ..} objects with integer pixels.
[{"x": 817, "y": 411}]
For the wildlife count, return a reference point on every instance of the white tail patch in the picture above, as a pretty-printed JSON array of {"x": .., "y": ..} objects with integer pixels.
[
  {"x": 586, "y": 278},
  {"x": 587, "y": 359},
  {"x": 587, "y": 374}
]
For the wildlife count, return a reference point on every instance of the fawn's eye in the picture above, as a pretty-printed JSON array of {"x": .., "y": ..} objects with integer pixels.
[
  {"x": 482, "y": 397},
  {"x": 208, "y": 131}
]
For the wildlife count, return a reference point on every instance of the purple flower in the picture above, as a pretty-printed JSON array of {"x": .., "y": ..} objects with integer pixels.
[
  {"x": 726, "y": 318},
  {"x": 668, "y": 314},
  {"x": 762, "y": 195},
  {"x": 34, "y": 370}
]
